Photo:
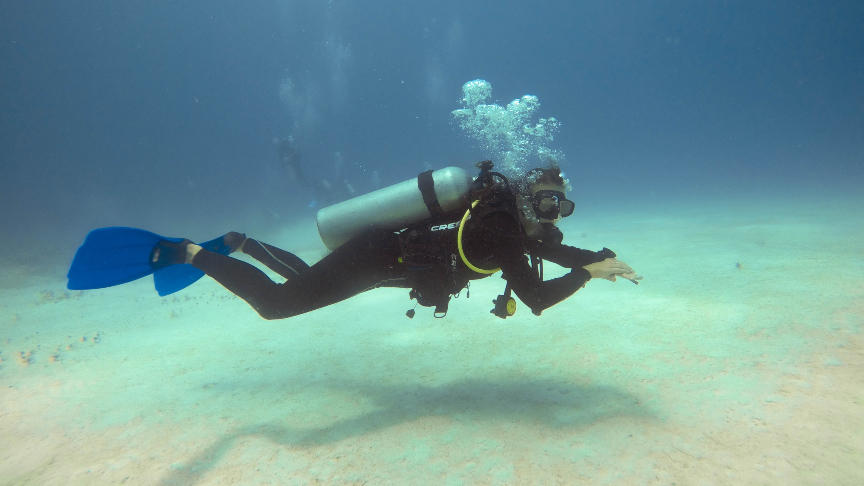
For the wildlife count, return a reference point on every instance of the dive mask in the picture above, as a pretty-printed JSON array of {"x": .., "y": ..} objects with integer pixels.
[{"x": 552, "y": 204}]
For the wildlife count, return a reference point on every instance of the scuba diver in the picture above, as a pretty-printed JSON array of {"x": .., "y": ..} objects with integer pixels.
[
  {"x": 289, "y": 157},
  {"x": 324, "y": 192},
  {"x": 491, "y": 226}
]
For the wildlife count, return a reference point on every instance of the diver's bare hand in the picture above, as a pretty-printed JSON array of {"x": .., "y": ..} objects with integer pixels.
[
  {"x": 610, "y": 268},
  {"x": 631, "y": 277}
]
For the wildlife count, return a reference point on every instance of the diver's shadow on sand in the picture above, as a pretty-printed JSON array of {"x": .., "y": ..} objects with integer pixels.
[{"x": 546, "y": 403}]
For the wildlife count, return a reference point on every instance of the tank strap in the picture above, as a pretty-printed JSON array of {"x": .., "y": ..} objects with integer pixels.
[{"x": 427, "y": 188}]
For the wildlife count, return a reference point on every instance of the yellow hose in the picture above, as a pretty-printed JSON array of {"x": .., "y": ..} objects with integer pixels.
[{"x": 459, "y": 243}]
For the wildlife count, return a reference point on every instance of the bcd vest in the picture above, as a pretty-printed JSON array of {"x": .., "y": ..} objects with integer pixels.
[{"x": 431, "y": 255}]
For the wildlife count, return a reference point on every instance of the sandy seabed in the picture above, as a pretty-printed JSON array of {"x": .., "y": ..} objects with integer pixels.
[{"x": 739, "y": 359}]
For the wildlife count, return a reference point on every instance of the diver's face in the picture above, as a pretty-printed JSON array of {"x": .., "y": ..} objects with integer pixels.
[
  {"x": 544, "y": 204},
  {"x": 550, "y": 202}
]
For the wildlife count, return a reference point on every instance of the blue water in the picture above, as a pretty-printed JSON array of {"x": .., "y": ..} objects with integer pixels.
[
  {"x": 163, "y": 114},
  {"x": 719, "y": 145}
]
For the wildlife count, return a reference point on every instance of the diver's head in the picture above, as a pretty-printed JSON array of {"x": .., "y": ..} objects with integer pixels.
[{"x": 542, "y": 202}]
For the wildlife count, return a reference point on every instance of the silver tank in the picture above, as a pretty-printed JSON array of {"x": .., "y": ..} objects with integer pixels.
[{"x": 391, "y": 208}]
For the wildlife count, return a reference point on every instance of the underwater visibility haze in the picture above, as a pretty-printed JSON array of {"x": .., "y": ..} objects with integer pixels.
[{"x": 717, "y": 147}]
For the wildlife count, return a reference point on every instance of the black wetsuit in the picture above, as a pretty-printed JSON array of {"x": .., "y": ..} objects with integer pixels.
[{"x": 423, "y": 260}]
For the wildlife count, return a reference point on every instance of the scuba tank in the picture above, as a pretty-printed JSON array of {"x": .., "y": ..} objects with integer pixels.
[{"x": 430, "y": 194}]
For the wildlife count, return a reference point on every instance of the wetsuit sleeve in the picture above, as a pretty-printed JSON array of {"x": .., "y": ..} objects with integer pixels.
[
  {"x": 568, "y": 256},
  {"x": 537, "y": 294}
]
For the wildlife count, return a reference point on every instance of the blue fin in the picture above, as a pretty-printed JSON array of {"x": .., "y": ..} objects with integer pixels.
[
  {"x": 177, "y": 277},
  {"x": 113, "y": 256}
]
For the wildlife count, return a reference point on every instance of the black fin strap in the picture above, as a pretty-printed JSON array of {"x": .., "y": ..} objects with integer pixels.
[{"x": 427, "y": 188}]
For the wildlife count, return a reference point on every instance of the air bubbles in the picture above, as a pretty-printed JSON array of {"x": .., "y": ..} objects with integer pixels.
[
  {"x": 475, "y": 92},
  {"x": 508, "y": 135}
]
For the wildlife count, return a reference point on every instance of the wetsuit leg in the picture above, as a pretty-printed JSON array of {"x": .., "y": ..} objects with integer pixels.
[
  {"x": 363, "y": 263},
  {"x": 288, "y": 265}
]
